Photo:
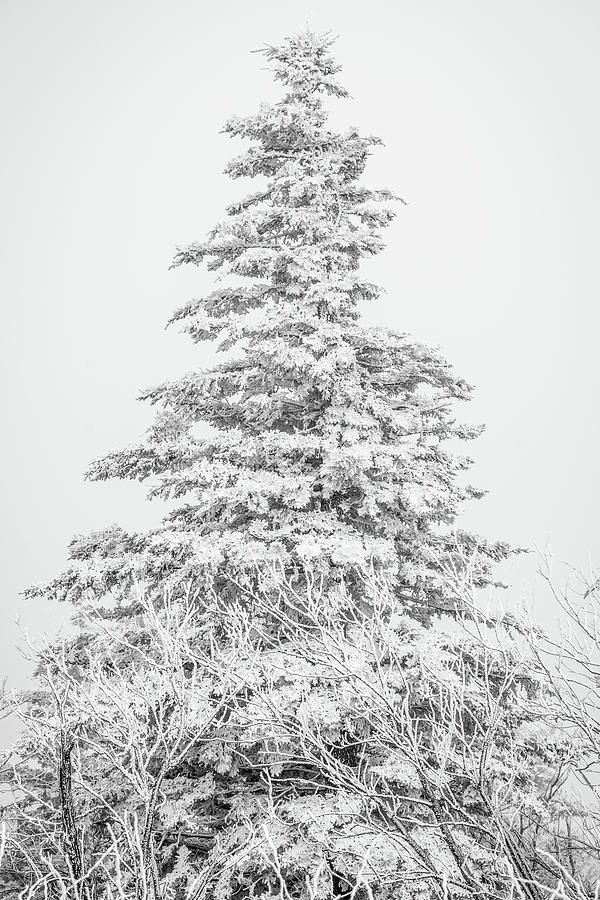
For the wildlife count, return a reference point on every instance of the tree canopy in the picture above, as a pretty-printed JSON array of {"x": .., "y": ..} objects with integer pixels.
[{"x": 327, "y": 441}]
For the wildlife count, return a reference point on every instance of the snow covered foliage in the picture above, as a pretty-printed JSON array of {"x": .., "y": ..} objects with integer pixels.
[
  {"x": 328, "y": 443},
  {"x": 286, "y": 690},
  {"x": 286, "y": 744}
]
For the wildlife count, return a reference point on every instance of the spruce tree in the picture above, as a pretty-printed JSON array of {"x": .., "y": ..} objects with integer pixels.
[
  {"x": 322, "y": 736},
  {"x": 329, "y": 436}
]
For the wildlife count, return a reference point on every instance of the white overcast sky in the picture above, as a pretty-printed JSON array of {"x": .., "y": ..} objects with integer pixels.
[{"x": 111, "y": 155}]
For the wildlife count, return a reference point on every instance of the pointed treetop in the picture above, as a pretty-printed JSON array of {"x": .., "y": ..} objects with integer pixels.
[{"x": 304, "y": 63}]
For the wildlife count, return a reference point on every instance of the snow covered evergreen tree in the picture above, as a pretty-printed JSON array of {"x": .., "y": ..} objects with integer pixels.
[
  {"x": 263, "y": 685},
  {"x": 329, "y": 436}
]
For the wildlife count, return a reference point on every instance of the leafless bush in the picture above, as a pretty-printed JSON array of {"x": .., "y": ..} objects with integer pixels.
[
  {"x": 570, "y": 660},
  {"x": 293, "y": 741}
]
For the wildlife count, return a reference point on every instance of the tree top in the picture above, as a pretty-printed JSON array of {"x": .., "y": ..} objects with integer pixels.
[{"x": 303, "y": 62}]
